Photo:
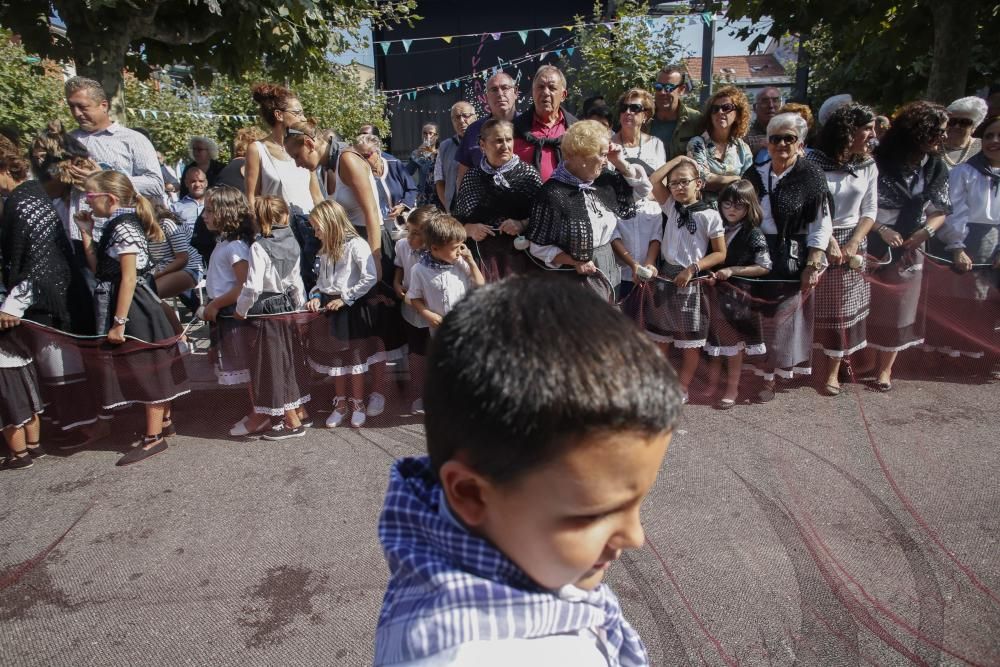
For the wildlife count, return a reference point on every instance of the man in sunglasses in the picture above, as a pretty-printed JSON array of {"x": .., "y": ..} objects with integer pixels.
[
  {"x": 964, "y": 116},
  {"x": 673, "y": 123}
]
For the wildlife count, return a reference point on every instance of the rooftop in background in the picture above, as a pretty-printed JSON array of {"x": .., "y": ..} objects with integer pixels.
[{"x": 744, "y": 70}]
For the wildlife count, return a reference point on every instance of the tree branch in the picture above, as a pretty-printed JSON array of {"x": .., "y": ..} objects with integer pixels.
[{"x": 188, "y": 33}]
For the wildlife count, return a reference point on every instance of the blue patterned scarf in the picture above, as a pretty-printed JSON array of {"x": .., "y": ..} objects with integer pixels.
[
  {"x": 427, "y": 259},
  {"x": 563, "y": 174},
  {"x": 498, "y": 172},
  {"x": 448, "y": 587}
]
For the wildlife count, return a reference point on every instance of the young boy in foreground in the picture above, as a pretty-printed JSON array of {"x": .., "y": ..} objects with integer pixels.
[{"x": 548, "y": 415}]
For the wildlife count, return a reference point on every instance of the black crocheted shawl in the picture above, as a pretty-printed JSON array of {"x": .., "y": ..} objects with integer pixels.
[
  {"x": 560, "y": 215},
  {"x": 482, "y": 201},
  {"x": 34, "y": 247},
  {"x": 125, "y": 228},
  {"x": 895, "y": 190},
  {"x": 796, "y": 199},
  {"x": 522, "y": 130},
  {"x": 745, "y": 246}
]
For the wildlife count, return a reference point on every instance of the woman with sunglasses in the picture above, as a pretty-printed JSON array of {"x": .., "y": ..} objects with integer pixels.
[
  {"x": 795, "y": 202},
  {"x": 964, "y": 116},
  {"x": 912, "y": 203},
  {"x": 719, "y": 150},
  {"x": 269, "y": 169}
]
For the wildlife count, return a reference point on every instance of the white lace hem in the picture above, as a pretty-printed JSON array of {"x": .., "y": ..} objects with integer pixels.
[
  {"x": 733, "y": 350},
  {"x": 278, "y": 412}
]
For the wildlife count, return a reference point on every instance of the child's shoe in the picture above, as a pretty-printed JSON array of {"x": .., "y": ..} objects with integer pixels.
[
  {"x": 336, "y": 417},
  {"x": 359, "y": 417},
  {"x": 376, "y": 404}
]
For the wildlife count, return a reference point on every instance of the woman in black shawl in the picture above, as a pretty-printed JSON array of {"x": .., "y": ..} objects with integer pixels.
[
  {"x": 576, "y": 212},
  {"x": 494, "y": 202},
  {"x": 913, "y": 201},
  {"x": 795, "y": 202},
  {"x": 45, "y": 285}
]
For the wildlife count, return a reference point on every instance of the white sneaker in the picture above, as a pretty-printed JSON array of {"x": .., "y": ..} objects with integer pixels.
[
  {"x": 336, "y": 417},
  {"x": 376, "y": 404},
  {"x": 359, "y": 417},
  {"x": 418, "y": 407}
]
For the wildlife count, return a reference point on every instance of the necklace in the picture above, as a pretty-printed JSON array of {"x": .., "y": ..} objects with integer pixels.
[
  {"x": 280, "y": 148},
  {"x": 961, "y": 158},
  {"x": 638, "y": 153}
]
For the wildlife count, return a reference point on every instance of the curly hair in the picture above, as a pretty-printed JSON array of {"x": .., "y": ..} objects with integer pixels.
[
  {"x": 53, "y": 151},
  {"x": 585, "y": 138},
  {"x": 231, "y": 216},
  {"x": 738, "y": 129},
  {"x": 837, "y": 134},
  {"x": 244, "y": 137},
  {"x": 916, "y": 125},
  {"x": 12, "y": 161},
  {"x": 271, "y": 97}
]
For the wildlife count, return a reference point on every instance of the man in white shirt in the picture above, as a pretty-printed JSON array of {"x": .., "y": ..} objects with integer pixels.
[{"x": 112, "y": 146}]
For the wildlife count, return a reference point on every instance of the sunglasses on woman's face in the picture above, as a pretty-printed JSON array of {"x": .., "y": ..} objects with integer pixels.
[
  {"x": 722, "y": 108},
  {"x": 789, "y": 139},
  {"x": 634, "y": 108},
  {"x": 960, "y": 122}
]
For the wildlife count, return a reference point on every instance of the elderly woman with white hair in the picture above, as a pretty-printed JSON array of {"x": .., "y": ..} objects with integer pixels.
[
  {"x": 964, "y": 116},
  {"x": 796, "y": 206},
  {"x": 204, "y": 153},
  {"x": 576, "y": 212}
]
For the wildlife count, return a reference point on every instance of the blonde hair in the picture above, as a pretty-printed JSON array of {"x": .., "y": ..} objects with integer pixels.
[
  {"x": 271, "y": 212},
  {"x": 585, "y": 138},
  {"x": 118, "y": 184},
  {"x": 244, "y": 137},
  {"x": 337, "y": 230}
]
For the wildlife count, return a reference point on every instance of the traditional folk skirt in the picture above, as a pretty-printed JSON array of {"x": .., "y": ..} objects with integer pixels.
[
  {"x": 896, "y": 322},
  {"x": 734, "y": 322},
  {"x": 677, "y": 314},
  {"x": 842, "y": 304},
  {"x": 278, "y": 367}
]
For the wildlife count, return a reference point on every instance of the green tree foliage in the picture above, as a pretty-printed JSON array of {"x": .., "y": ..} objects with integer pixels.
[
  {"x": 174, "y": 124},
  {"x": 883, "y": 51},
  {"x": 293, "y": 37},
  {"x": 31, "y": 90},
  {"x": 623, "y": 52}
]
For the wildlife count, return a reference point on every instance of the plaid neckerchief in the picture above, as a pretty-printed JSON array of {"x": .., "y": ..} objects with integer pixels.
[
  {"x": 448, "y": 587},
  {"x": 427, "y": 259},
  {"x": 498, "y": 172}
]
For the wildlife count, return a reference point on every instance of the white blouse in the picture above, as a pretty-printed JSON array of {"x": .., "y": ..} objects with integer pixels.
[
  {"x": 262, "y": 276},
  {"x": 351, "y": 276},
  {"x": 973, "y": 200},
  {"x": 221, "y": 278},
  {"x": 680, "y": 247},
  {"x": 854, "y": 197}
]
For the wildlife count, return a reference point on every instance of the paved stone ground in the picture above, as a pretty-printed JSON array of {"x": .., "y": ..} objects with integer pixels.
[{"x": 779, "y": 534}]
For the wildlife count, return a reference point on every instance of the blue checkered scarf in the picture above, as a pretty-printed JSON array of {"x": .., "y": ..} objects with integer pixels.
[{"x": 448, "y": 587}]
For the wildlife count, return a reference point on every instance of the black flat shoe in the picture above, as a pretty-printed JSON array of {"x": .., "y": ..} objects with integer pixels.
[
  {"x": 883, "y": 387},
  {"x": 19, "y": 462},
  {"x": 139, "y": 453},
  {"x": 36, "y": 451}
]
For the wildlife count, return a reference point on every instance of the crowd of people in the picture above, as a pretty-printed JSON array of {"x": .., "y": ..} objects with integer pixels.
[{"x": 747, "y": 231}]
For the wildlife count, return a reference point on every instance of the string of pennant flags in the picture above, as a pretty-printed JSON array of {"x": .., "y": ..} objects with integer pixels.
[
  {"x": 156, "y": 113},
  {"x": 443, "y": 86},
  {"x": 386, "y": 45}
]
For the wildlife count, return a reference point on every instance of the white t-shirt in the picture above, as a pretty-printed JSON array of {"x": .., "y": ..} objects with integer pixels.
[
  {"x": 680, "y": 247},
  {"x": 406, "y": 259},
  {"x": 221, "y": 278},
  {"x": 440, "y": 288},
  {"x": 854, "y": 197}
]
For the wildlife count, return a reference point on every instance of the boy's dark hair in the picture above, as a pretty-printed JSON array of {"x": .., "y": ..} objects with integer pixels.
[
  {"x": 522, "y": 369},
  {"x": 440, "y": 230},
  {"x": 420, "y": 215}
]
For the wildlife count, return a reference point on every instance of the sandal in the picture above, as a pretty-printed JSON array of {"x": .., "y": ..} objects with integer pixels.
[
  {"x": 831, "y": 390},
  {"x": 883, "y": 387},
  {"x": 725, "y": 404},
  {"x": 35, "y": 450},
  {"x": 767, "y": 392},
  {"x": 151, "y": 445}
]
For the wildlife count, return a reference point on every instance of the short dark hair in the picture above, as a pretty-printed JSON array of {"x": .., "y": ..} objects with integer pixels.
[
  {"x": 743, "y": 192},
  {"x": 440, "y": 230},
  {"x": 522, "y": 369}
]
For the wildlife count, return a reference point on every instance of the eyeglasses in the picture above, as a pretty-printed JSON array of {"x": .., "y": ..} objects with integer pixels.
[
  {"x": 789, "y": 139},
  {"x": 734, "y": 204},
  {"x": 680, "y": 183},
  {"x": 769, "y": 101},
  {"x": 724, "y": 108},
  {"x": 297, "y": 112},
  {"x": 465, "y": 116},
  {"x": 91, "y": 196},
  {"x": 634, "y": 108},
  {"x": 505, "y": 88},
  {"x": 960, "y": 122},
  {"x": 666, "y": 87}
]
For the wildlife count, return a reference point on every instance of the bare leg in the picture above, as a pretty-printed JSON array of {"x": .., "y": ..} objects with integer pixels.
[
  {"x": 689, "y": 365},
  {"x": 292, "y": 418},
  {"x": 16, "y": 442},
  {"x": 33, "y": 430},
  {"x": 734, "y": 367},
  {"x": 154, "y": 419},
  {"x": 833, "y": 371},
  {"x": 714, "y": 372},
  {"x": 885, "y": 362},
  {"x": 358, "y": 386}
]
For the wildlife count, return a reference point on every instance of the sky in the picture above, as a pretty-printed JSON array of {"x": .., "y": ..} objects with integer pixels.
[{"x": 690, "y": 38}]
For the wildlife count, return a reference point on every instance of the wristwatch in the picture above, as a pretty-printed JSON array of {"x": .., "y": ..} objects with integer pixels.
[
  {"x": 814, "y": 265},
  {"x": 120, "y": 320}
]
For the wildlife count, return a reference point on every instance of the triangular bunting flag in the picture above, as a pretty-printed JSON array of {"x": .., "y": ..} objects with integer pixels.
[
  {"x": 650, "y": 23},
  {"x": 707, "y": 18},
  {"x": 542, "y": 55},
  {"x": 441, "y": 87},
  {"x": 447, "y": 39},
  {"x": 156, "y": 114},
  {"x": 413, "y": 94},
  {"x": 142, "y": 112},
  {"x": 570, "y": 50},
  {"x": 547, "y": 31},
  {"x": 607, "y": 25},
  {"x": 523, "y": 34},
  {"x": 385, "y": 47},
  {"x": 167, "y": 114},
  {"x": 568, "y": 27},
  {"x": 406, "y": 44},
  {"x": 495, "y": 36}
]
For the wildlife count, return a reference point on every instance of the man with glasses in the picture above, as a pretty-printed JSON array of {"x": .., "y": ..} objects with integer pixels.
[
  {"x": 446, "y": 167},
  {"x": 765, "y": 107},
  {"x": 673, "y": 123},
  {"x": 501, "y": 97}
]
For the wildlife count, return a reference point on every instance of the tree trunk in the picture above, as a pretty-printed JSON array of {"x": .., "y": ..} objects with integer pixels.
[{"x": 954, "y": 34}]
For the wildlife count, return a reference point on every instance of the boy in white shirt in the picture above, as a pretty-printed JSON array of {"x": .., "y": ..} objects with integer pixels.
[
  {"x": 497, "y": 543},
  {"x": 446, "y": 273}
]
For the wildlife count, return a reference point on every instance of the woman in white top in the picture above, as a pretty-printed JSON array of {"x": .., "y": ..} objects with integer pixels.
[
  {"x": 635, "y": 109},
  {"x": 843, "y": 295},
  {"x": 972, "y": 235},
  {"x": 269, "y": 169}
]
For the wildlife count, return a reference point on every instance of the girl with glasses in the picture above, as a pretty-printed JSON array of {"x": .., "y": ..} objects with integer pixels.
[{"x": 720, "y": 151}]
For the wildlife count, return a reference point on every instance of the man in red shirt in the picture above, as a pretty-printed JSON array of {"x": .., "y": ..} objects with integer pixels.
[{"x": 538, "y": 131}]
